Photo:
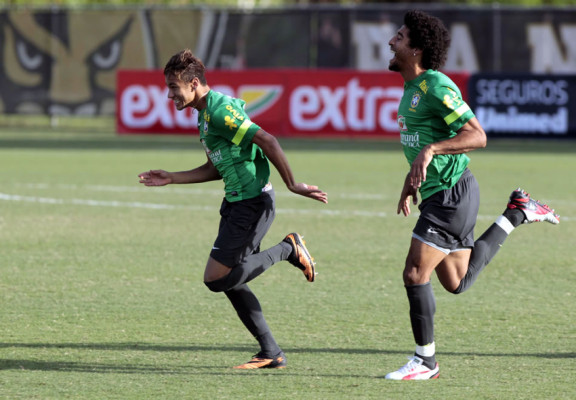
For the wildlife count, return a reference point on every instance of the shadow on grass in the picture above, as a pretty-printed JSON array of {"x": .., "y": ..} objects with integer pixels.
[
  {"x": 98, "y": 368},
  {"x": 41, "y": 365},
  {"x": 192, "y": 369}
]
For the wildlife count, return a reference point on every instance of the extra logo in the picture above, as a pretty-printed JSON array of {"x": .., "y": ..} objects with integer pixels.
[
  {"x": 329, "y": 105},
  {"x": 147, "y": 105}
]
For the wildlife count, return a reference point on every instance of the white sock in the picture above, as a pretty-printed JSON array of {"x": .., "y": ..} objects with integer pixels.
[
  {"x": 505, "y": 224},
  {"x": 426, "y": 351}
]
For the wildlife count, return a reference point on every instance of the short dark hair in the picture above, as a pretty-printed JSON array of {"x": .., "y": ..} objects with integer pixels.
[
  {"x": 430, "y": 35},
  {"x": 186, "y": 66}
]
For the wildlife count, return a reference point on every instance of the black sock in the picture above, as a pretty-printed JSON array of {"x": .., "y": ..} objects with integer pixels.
[
  {"x": 429, "y": 362},
  {"x": 515, "y": 216},
  {"x": 250, "y": 313},
  {"x": 422, "y": 309},
  {"x": 250, "y": 268},
  {"x": 269, "y": 347},
  {"x": 485, "y": 248}
]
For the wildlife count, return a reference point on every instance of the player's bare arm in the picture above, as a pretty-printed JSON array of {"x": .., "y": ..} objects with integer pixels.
[
  {"x": 204, "y": 173},
  {"x": 470, "y": 137},
  {"x": 269, "y": 144}
]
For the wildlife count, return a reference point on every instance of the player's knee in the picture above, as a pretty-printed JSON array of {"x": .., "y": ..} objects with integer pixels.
[
  {"x": 216, "y": 286},
  {"x": 413, "y": 276},
  {"x": 460, "y": 289}
]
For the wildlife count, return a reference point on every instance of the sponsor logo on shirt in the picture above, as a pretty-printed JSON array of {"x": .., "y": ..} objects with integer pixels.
[
  {"x": 424, "y": 86},
  {"x": 407, "y": 139},
  {"x": 230, "y": 122},
  {"x": 215, "y": 156},
  {"x": 206, "y": 149},
  {"x": 410, "y": 140},
  {"x": 451, "y": 100},
  {"x": 402, "y": 123}
]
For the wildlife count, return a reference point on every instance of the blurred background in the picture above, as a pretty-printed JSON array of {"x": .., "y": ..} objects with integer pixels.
[{"x": 515, "y": 61}]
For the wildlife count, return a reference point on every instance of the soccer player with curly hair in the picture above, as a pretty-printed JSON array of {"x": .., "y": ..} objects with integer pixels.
[
  {"x": 437, "y": 129},
  {"x": 238, "y": 152}
]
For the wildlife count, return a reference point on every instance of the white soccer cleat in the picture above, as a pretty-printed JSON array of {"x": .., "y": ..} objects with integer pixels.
[
  {"x": 534, "y": 211},
  {"x": 414, "y": 370}
]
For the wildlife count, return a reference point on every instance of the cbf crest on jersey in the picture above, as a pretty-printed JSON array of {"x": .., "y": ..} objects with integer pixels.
[
  {"x": 206, "y": 121},
  {"x": 415, "y": 101}
]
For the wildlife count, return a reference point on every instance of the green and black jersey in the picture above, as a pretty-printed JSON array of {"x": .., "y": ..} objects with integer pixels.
[
  {"x": 226, "y": 133},
  {"x": 432, "y": 110}
]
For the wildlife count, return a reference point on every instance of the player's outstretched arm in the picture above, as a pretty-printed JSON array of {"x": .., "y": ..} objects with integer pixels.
[
  {"x": 155, "y": 177},
  {"x": 269, "y": 144},
  {"x": 309, "y": 191},
  {"x": 159, "y": 177}
]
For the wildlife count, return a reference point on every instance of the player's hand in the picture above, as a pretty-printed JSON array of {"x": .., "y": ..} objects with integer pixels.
[
  {"x": 309, "y": 191},
  {"x": 419, "y": 166},
  {"x": 404, "y": 203},
  {"x": 157, "y": 177}
]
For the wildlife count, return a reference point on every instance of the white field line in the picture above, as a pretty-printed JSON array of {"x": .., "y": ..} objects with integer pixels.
[
  {"x": 179, "y": 190},
  {"x": 160, "y": 206},
  {"x": 195, "y": 191}
]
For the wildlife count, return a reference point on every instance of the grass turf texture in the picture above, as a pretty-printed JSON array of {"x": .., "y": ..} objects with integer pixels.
[{"x": 102, "y": 294}]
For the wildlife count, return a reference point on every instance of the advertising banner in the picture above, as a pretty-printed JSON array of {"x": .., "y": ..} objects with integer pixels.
[
  {"x": 283, "y": 102},
  {"x": 61, "y": 62},
  {"x": 525, "y": 105}
]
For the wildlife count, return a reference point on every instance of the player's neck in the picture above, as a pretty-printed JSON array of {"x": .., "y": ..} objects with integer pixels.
[
  {"x": 201, "y": 104},
  {"x": 412, "y": 72}
]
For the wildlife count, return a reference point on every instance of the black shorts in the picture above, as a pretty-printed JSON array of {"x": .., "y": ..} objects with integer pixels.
[
  {"x": 243, "y": 225},
  {"x": 447, "y": 218}
]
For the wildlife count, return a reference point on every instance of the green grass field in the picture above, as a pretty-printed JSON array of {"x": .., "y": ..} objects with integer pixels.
[{"x": 102, "y": 295}]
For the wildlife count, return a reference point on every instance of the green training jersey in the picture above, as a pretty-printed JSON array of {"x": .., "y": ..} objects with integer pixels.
[
  {"x": 432, "y": 110},
  {"x": 226, "y": 133}
]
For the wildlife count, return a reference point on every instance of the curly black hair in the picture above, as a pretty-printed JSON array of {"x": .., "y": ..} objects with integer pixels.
[
  {"x": 430, "y": 35},
  {"x": 186, "y": 66}
]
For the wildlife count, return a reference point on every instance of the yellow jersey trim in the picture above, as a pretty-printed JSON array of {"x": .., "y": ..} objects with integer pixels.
[
  {"x": 241, "y": 132},
  {"x": 453, "y": 116}
]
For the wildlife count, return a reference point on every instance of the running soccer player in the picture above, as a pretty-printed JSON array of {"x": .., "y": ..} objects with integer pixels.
[
  {"x": 437, "y": 128},
  {"x": 237, "y": 152}
]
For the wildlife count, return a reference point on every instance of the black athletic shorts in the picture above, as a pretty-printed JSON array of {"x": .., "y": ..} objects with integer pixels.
[
  {"x": 243, "y": 225},
  {"x": 447, "y": 218}
]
